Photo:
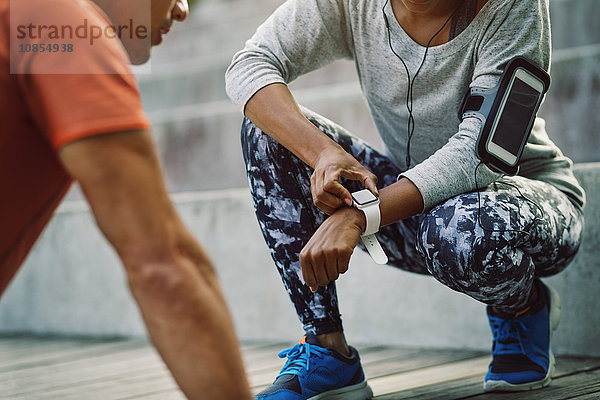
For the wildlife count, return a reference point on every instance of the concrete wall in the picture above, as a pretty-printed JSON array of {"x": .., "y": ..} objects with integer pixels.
[{"x": 72, "y": 284}]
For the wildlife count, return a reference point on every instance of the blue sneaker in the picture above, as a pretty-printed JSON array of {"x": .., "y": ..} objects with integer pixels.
[
  {"x": 312, "y": 372},
  {"x": 521, "y": 355}
]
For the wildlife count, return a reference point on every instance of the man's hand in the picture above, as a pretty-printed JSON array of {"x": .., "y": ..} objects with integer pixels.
[
  {"x": 327, "y": 253},
  {"x": 327, "y": 191}
]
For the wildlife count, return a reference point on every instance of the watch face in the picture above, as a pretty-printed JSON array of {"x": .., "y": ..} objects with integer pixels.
[{"x": 364, "y": 197}]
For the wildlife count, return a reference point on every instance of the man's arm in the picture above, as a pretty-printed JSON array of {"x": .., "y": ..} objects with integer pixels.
[{"x": 170, "y": 276}]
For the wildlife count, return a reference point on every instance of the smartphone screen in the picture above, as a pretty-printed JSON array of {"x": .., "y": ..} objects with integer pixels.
[{"x": 516, "y": 117}]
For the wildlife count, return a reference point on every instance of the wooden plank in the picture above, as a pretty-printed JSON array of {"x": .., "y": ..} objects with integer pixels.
[
  {"x": 567, "y": 387},
  {"x": 99, "y": 363},
  {"x": 248, "y": 346},
  {"x": 28, "y": 349},
  {"x": 18, "y": 346},
  {"x": 91, "y": 372},
  {"x": 47, "y": 353},
  {"x": 138, "y": 383},
  {"x": 450, "y": 390},
  {"x": 161, "y": 395},
  {"x": 90, "y": 376},
  {"x": 116, "y": 389},
  {"x": 105, "y": 389},
  {"x": 137, "y": 387},
  {"x": 79, "y": 372},
  {"x": 430, "y": 375},
  {"x": 50, "y": 369},
  {"x": 374, "y": 354},
  {"x": 589, "y": 396},
  {"x": 568, "y": 365},
  {"x": 263, "y": 358},
  {"x": 14, "y": 341},
  {"x": 473, "y": 386},
  {"x": 421, "y": 359},
  {"x": 380, "y": 362},
  {"x": 155, "y": 377}
]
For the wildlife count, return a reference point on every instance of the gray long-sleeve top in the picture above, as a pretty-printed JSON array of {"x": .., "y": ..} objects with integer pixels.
[{"x": 303, "y": 35}]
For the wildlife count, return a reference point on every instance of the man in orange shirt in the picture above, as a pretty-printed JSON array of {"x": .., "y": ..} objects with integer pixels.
[{"x": 70, "y": 110}]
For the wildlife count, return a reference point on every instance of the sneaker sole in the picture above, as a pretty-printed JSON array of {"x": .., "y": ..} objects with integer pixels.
[
  {"x": 360, "y": 391},
  {"x": 503, "y": 386}
]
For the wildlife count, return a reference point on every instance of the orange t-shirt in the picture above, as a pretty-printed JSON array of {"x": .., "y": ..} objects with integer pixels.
[{"x": 42, "y": 108}]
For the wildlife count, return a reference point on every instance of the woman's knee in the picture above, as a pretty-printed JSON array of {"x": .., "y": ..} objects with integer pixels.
[
  {"x": 260, "y": 149},
  {"x": 460, "y": 253}
]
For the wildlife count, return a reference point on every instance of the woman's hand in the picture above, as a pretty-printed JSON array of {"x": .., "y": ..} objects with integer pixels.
[
  {"x": 274, "y": 110},
  {"x": 332, "y": 164},
  {"x": 327, "y": 253}
]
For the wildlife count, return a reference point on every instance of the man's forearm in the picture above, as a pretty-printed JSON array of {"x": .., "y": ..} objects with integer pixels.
[
  {"x": 170, "y": 276},
  {"x": 190, "y": 325}
]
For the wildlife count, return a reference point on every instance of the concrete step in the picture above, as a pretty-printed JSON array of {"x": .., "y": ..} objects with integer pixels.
[
  {"x": 223, "y": 27},
  {"x": 572, "y": 104},
  {"x": 217, "y": 26},
  {"x": 200, "y": 147},
  {"x": 575, "y": 22},
  {"x": 189, "y": 67},
  {"x": 214, "y": 26},
  {"x": 199, "y": 144},
  {"x": 203, "y": 80}
]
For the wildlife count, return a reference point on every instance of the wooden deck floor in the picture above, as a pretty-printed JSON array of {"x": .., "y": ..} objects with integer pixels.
[{"x": 51, "y": 368}]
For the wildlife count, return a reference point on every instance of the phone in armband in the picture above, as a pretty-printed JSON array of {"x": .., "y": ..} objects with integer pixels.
[{"x": 507, "y": 113}]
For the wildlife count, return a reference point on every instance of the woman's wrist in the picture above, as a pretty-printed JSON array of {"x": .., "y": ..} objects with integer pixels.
[
  {"x": 354, "y": 217},
  {"x": 320, "y": 149}
]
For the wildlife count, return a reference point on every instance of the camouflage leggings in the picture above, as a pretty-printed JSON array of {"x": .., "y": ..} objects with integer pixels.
[{"x": 495, "y": 265}]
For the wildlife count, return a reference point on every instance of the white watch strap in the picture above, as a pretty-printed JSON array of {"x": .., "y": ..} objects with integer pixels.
[
  {"x": 374, "y": 248},
  {"x": 373, "y": 217}
]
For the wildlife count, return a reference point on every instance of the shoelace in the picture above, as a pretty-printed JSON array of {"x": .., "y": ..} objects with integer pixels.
[
  {"x": 504, "y": 330},
  {"x": 298, "y": 357}
]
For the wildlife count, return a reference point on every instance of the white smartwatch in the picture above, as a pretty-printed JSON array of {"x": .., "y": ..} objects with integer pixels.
[{"x": 368, "y": 203}]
